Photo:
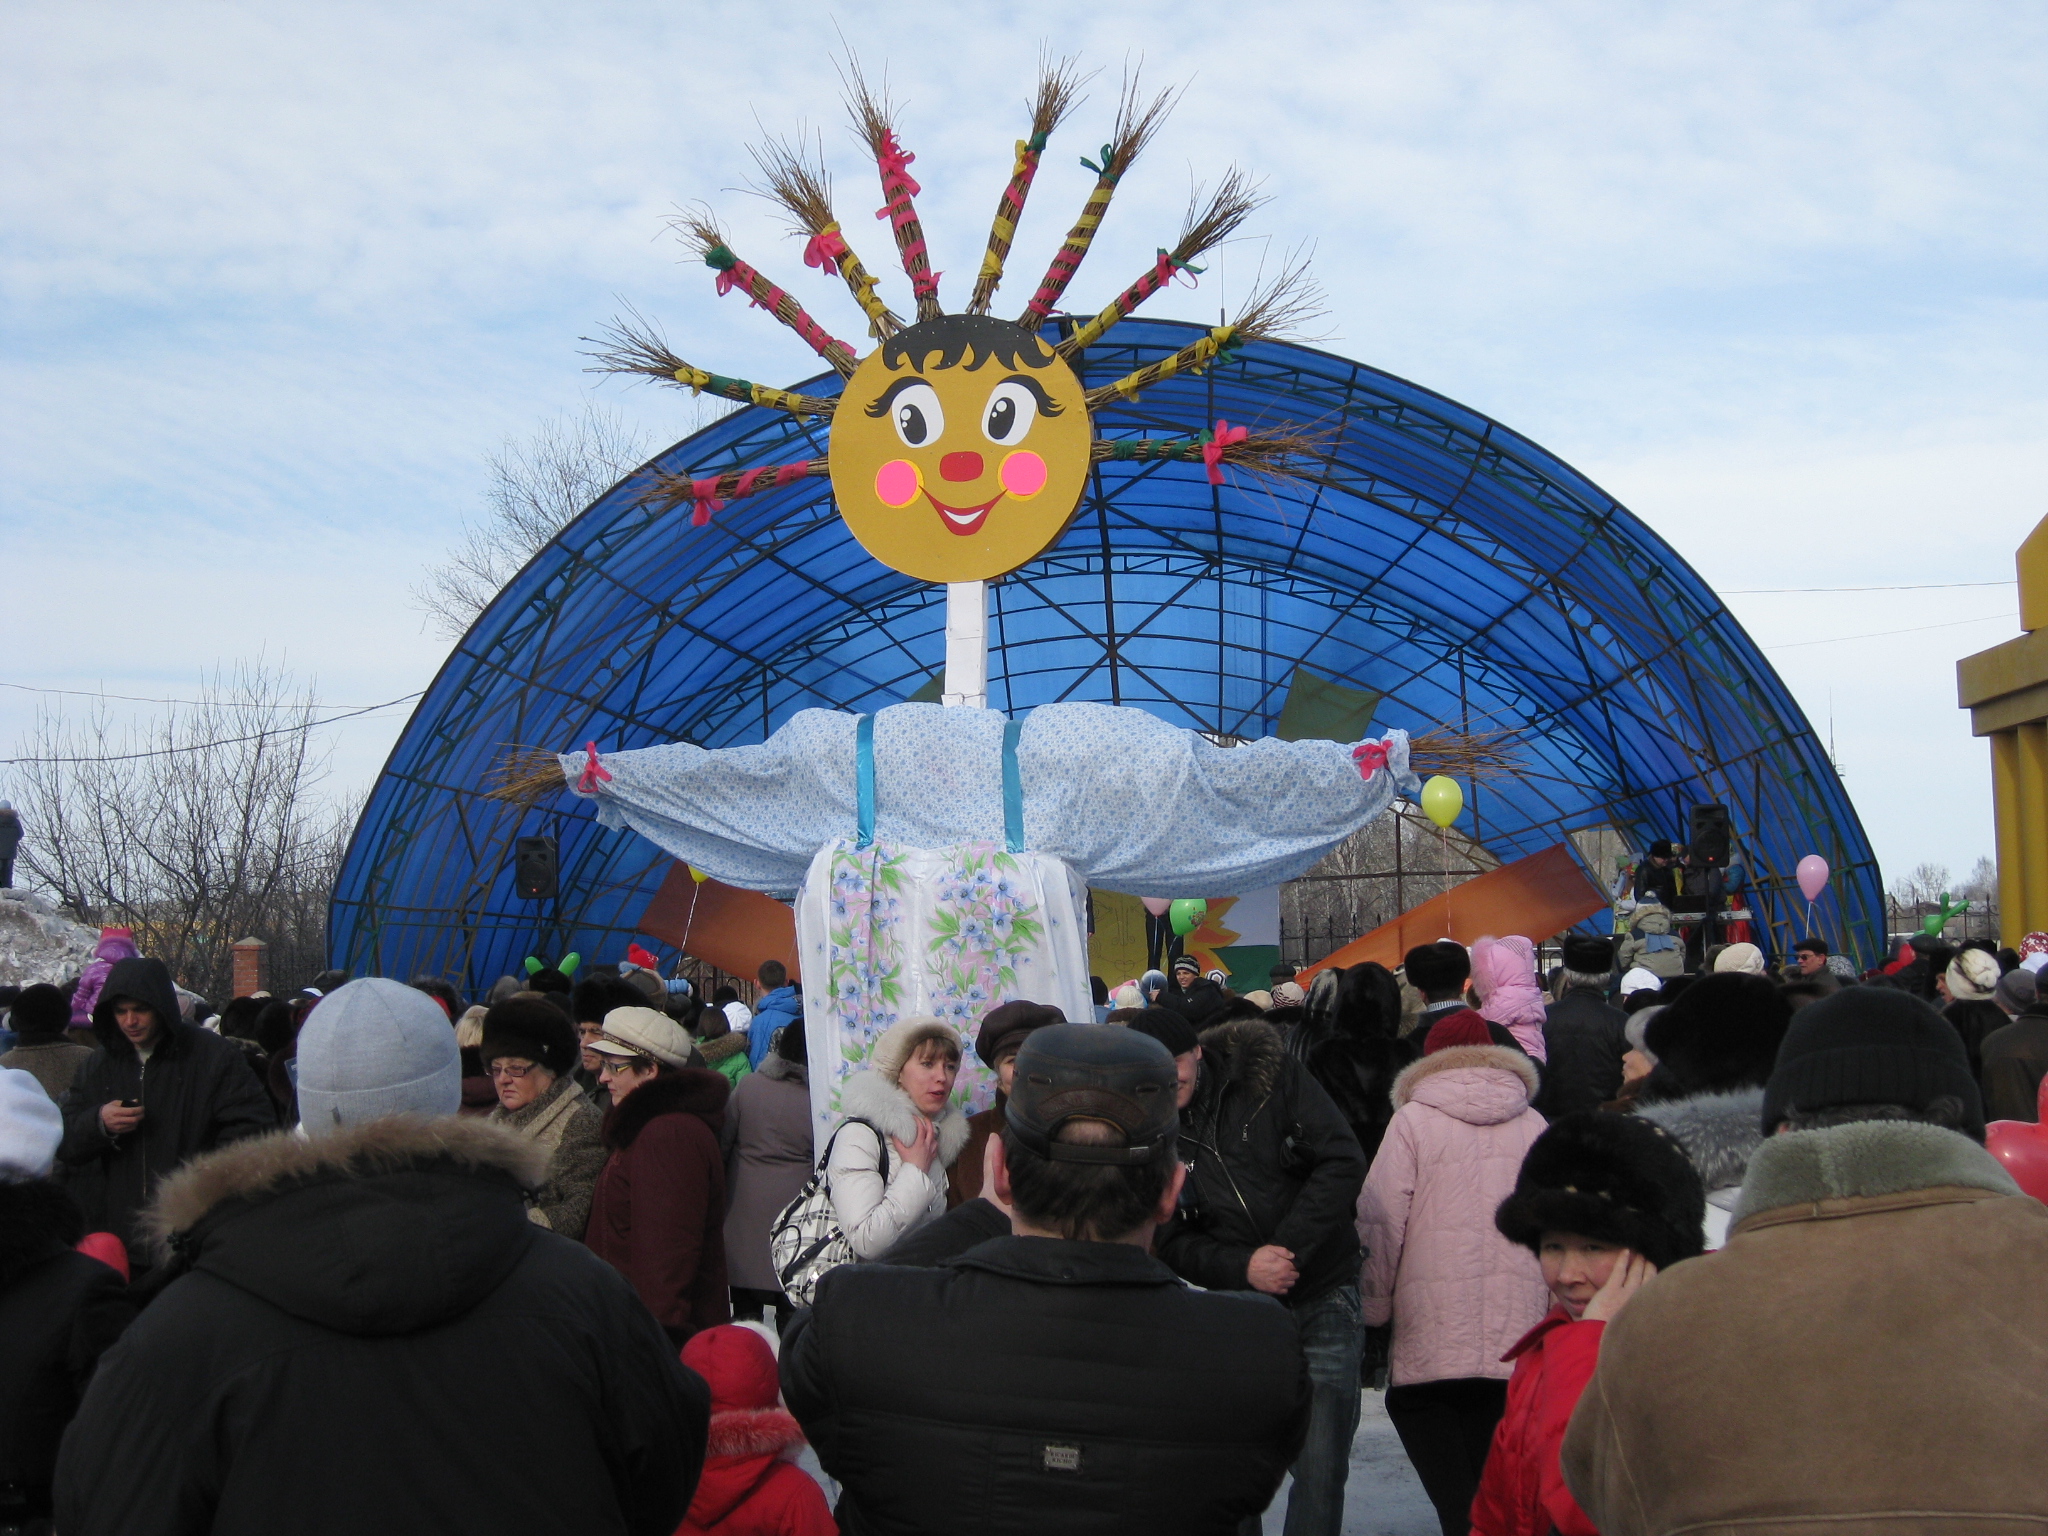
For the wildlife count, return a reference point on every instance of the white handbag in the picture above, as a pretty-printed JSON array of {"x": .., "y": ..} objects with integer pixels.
[{"x": 807, "y": 1240}]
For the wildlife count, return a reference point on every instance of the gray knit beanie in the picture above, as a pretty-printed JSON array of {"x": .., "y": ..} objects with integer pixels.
[{"x": 376, "y": 1047}]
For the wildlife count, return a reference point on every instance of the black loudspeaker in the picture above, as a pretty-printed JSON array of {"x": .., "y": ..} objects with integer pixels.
[
  {"x": 533, "y": 868},
  {"x": 1708, "y": 842}
]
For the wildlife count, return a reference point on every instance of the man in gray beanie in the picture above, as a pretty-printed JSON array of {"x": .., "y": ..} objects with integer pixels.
[
  {"x": 1875, "y": 1242},
  {"x": 342, "y": 1295}
]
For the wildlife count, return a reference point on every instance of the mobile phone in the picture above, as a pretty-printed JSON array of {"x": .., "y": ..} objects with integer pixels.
[{"x": 131, "y": 1103}]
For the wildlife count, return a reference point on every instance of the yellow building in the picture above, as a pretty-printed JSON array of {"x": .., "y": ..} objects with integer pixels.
[{"x": 2005, "y": 689}]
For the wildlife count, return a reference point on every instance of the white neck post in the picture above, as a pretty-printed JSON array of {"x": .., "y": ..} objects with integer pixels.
[{"x": 966, "y": 645}]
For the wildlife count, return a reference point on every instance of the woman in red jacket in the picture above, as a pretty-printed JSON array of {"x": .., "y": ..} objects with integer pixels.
[
  {"x": 1604, "y": 1201},
  {"x": 750, "y": 1486},
  {"x": 658, "y": 1212}
]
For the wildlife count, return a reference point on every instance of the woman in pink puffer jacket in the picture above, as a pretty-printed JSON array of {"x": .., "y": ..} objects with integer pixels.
[{"x": 1458, "y": 1293}]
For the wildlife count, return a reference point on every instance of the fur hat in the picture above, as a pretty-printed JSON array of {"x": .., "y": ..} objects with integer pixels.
[
  {"x": 39, "y": 1014},
  {"x": 1439, "y": 967},
  {"x": 1614, "y": 1178},
  {"x": 1588, "y": 956},
  {"x": 1871, "y": 1045},
  {"x": 1005, "y": 1027},
  {"x": 1662, "y": 849},
  {"x": 1722, "y": 1032},
  {"x": 533, "y": 1028},
  {"x": 1972, "y": 976},
  {"x": 902, "y": 1039}
]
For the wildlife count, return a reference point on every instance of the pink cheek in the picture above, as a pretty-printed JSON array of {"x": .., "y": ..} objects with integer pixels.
[
  {"x": 1023, "y": 474},
  {"x": 897, "y": 483}
]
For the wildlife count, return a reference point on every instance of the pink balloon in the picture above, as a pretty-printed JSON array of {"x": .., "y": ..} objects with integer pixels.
[
  {"x": 1813, "y": 876},
  {"x": 1157, "y": 905}
]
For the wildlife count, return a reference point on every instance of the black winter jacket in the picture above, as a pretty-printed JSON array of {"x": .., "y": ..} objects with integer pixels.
[
  {"x": 369, "y": 1335},
  {"x": 1270, "y": 1160},
  {"x": 1065, "y": 1387},
  {"x": 59, "y": 1310},
  {"x": 1584, "y": 1039},
  {"x": 1198, "y": 1003},
  {"x": 197, "y": 1090}
]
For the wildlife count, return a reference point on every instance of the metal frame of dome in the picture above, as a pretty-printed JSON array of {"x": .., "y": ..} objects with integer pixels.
[{"x": 1460, "y": 570}]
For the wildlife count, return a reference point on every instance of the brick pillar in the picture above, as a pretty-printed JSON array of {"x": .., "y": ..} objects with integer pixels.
[{"x": 248, "y": 966}]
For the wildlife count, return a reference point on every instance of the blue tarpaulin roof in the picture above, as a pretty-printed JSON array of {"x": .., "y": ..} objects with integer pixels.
[{"x": 1467, "y": 575}]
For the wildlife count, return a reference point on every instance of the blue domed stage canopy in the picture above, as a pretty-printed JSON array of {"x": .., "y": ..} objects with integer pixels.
[{"x": 1465, "y": 575}]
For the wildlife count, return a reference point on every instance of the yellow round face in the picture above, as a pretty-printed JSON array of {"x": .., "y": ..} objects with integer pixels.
[{"x": 960, "y": 448}]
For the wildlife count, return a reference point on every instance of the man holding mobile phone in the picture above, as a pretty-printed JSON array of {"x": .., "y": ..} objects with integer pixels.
[{"x": 156, "y": 1093}]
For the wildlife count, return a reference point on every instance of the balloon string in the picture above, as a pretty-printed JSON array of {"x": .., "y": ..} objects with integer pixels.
[{"x": 1444, "y": 838}]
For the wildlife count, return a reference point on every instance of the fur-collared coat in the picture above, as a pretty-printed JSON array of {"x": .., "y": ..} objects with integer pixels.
[
  {"x": 1271, "y": 1160},
  {"x": 368, "y": 1334},
  {"x": 875, "y": 1210},
  {"x": 770, "y": 1161},
  {"x": 1866, "y": 1354},
  {"x": 1457, "y": 1292},
  {"x": 658, "y": 1212},
  {"x": 565, "y": 1122},
  {"x": 751, "y": 1484}
]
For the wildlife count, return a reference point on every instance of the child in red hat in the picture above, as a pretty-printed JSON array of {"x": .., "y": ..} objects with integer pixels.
[{"x": 750, "y": 1486}]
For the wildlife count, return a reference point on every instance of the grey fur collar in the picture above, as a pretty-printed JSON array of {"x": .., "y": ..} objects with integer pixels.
[
  {"x": 264, "y": 1163},
  {"x": 872, "y": 1097},
  {"x": 1864, "y": 1160},
  {"x": 1719, "y": 1131},
  {"x": 1454, "y": 1057},
  {"x": 782, "y": 1069}
]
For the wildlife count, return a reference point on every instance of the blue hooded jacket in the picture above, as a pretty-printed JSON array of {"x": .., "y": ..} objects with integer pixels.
[{"x": 785, "y": 1005}]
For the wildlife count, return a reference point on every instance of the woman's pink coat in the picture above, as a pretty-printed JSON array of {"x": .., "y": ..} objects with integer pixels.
[{"x": 1459, "y": 1294}]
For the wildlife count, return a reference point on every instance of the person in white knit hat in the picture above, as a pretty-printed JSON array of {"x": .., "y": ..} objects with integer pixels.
[
  {"x": 59, "y": 1310},
  {"x": 882, "y": 1191}
]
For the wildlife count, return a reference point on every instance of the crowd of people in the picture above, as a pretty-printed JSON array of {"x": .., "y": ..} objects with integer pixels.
[{"x": 1621, "y": 1241}]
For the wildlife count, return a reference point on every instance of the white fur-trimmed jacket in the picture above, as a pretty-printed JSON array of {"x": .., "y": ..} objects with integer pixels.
[{"x": 873, "y": 1213}]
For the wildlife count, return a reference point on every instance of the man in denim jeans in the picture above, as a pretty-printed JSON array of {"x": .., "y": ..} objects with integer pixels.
[{"x": 1273, "y": 1179}]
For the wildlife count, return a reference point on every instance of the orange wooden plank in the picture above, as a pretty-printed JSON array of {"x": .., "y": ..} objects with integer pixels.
[
  {"x": 1538, "y": 896},
  {"x": 721, "y": 924}
]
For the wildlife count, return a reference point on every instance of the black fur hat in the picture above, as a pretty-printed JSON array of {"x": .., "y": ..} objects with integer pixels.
[
  {"x": 1587, "y": 955},
  {"x": 1613, "y": 1178},
  {"x": 534, "y": 1028},
  {"x": 1721, "y": 1033},
  {"x": 40, "y": 1014}
]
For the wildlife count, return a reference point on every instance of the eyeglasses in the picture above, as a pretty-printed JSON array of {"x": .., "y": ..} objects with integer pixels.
[
  {"x": 611, "y": 1066},
  {"x": 512, "y": 1069}
]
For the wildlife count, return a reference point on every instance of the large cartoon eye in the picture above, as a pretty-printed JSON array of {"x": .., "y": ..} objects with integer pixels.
[
  {"x": 1012, "y": 408},
  {"x": 917, "y": 415}
]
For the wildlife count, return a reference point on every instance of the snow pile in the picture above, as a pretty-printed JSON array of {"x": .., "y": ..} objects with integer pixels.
[{"x": 39, "y": 943}]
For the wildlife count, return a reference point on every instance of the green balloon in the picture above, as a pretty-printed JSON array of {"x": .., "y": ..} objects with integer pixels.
[{"x": 1186, "y": 914}]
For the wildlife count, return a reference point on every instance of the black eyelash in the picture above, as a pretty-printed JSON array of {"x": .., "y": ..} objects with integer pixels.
[
  {"x": 888, "y": 396},
  {"x": 1045, "y": 401}
]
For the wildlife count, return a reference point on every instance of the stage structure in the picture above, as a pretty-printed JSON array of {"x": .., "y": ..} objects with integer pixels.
[{"x": 1441, "y": 561}]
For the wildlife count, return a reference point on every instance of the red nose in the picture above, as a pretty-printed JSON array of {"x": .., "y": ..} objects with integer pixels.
[{"x": 960, "y": 466}]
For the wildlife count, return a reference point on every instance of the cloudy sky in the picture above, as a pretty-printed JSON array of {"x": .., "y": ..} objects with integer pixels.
[{"x": 275, "y": 280}]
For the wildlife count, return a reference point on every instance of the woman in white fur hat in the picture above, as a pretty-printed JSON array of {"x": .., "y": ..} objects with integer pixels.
[{"x": 882, "y": 1192}]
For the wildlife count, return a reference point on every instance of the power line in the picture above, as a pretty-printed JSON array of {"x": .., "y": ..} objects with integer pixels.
[
  {"x": 1882, "y": 633},
  {"x": 130, "y": 698},
  {"x": 1925, "y": 586},
  {"x": 226, "y": 741}
]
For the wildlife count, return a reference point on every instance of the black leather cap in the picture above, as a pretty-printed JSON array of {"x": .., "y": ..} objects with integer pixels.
[{"x": 1093, "y": 1072}]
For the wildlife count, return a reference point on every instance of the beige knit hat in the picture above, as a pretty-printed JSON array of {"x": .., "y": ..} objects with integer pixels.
[
  {"x": 1744, "y": 959},
  {"x": 903, "y": 1037}
]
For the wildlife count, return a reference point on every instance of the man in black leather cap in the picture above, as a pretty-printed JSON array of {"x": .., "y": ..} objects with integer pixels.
[{"x": 1060, "y": 1378}]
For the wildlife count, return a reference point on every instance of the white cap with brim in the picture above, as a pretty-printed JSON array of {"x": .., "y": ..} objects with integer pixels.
[
  {"x": 1641, "y": 979},
  {"x": 642, "y": 1032},
  {"x": 30, "y": 1128},
  {"x": 371, "y": 1048}
]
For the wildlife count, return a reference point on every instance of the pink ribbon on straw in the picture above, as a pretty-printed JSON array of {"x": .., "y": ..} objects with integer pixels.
[
  {"x": 1212, "y": 451},
  {"x": 824, "y": 251},
  {"x": 594, "y": 772},
  {"x": 895, "y": 166},
  {"x": 707, "y": 503}
]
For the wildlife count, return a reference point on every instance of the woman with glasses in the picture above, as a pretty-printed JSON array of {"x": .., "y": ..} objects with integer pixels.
[
  {"x": 529, "y": 1051},
  {"x": 658, "y": 1214}
]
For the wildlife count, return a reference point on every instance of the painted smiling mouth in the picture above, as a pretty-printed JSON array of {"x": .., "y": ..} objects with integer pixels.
[{"x": 963, "y": 520}]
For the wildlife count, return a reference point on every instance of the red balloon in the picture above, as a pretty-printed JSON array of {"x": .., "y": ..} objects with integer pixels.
[{"x": 2022, "y": 1146}]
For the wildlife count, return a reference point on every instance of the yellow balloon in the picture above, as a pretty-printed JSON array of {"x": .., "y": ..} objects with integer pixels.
[
  {"x": 698, "y": 875},
  {"x": 1442, "y": 800}
]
